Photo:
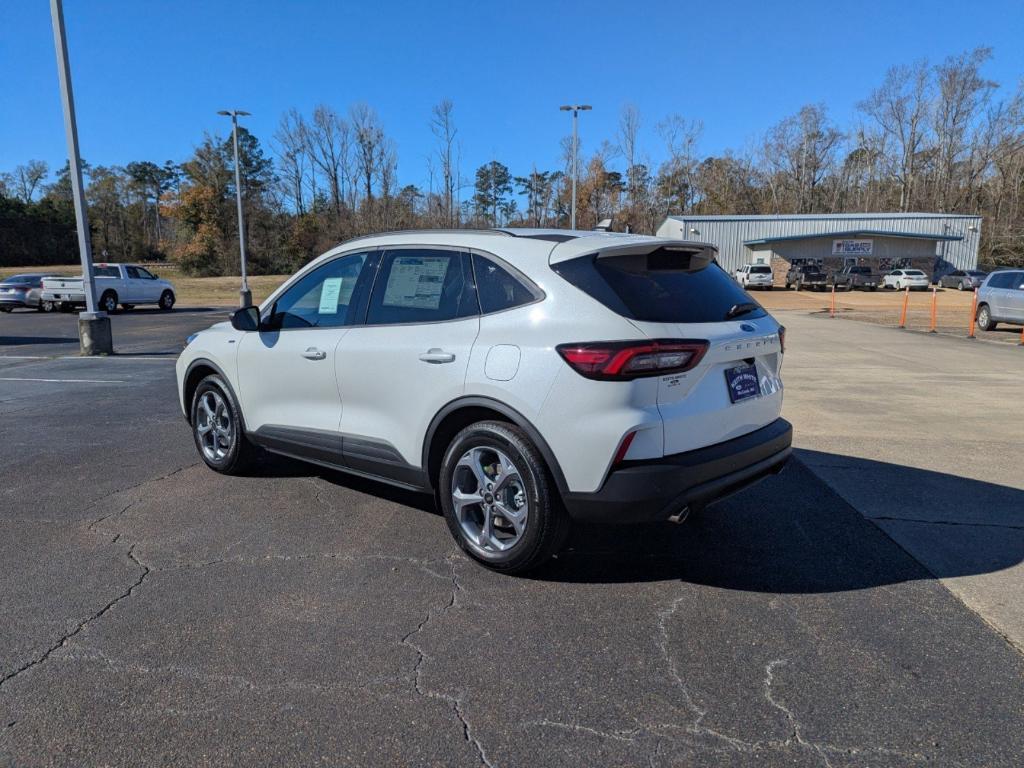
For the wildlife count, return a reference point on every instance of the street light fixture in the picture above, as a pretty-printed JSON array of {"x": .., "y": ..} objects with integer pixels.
[
  {"x": 245, "y": 295},
  {"x": 575, "y": 109}
]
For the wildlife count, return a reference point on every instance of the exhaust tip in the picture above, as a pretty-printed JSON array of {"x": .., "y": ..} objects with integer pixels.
[{"x": 680, "y": 516}]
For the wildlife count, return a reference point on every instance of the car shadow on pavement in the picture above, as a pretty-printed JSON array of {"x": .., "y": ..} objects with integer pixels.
[
  {"x": 282, "y": 466},
  {"x": 15, "y": 341},
  {"x": 793, "y": 534}
]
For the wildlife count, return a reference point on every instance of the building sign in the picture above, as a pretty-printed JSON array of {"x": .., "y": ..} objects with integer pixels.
[{"x": 851, "y": 247}]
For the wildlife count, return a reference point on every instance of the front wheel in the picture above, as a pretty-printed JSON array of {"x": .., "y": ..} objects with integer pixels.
[
  {"x": 217, "y": 428},
  {"x": 498, "y": 499},
  {"x": 166, "y": 301}
]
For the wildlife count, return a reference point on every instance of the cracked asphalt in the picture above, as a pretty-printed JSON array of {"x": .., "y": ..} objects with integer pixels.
[{"x": 157, "y": 613}]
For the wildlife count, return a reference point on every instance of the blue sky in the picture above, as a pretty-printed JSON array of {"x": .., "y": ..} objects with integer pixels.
[{"x": 150, "y": 76}]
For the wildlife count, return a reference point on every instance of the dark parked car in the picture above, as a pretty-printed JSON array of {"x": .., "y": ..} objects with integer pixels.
[
  {"x": 806, "y": 276},
  {"x": 22, "y": 291},
  {"x": 856, "y": 276},
  {"x": 964, "y": 279}
]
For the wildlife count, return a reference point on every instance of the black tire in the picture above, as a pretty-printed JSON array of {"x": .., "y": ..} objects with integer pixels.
[
  {"x": 873, "y": 288},
  {"x": 960, "y": 286},
  {"x": 985, "y": 321},
  {"x": 798, "y": 285},
  {"x": 108, "y": 302},
  {"x": 547, "y": 523},
  {"x": 6, "y": 310},
  {"x": 242, "y": 454},
  {"x": 167, "y": 301}
]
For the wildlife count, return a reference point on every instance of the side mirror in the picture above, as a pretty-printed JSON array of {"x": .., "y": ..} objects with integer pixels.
[{"x": 246, "y": 319}]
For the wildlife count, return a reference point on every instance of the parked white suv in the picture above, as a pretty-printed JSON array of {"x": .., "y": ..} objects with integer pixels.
[
  {"x": 755, "y": 276},
  {"x": 525, "y": 377}
]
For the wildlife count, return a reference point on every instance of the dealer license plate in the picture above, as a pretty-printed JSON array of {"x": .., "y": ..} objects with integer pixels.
[{"x": 742, "y": 382}]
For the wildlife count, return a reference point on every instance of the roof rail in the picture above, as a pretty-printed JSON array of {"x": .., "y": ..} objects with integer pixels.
[{"x": 424, "y": 231}]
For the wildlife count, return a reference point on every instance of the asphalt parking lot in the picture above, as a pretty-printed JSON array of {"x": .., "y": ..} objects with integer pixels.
[{"x": 158, "y": 613}]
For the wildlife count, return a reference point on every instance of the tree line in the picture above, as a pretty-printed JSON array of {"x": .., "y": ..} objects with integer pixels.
[{"x": 930, "y": 137}]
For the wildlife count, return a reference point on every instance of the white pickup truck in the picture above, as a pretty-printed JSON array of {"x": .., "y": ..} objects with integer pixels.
[{"x": 124, "y": 284}]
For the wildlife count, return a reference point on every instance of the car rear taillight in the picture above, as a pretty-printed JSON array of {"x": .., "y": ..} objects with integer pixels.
[{"x": 624, "y": 360}]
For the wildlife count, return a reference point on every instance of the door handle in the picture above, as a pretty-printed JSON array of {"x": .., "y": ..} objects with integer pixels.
[
  {"x": 312, "y": 353},
  {"x": 435, "y": 355}
]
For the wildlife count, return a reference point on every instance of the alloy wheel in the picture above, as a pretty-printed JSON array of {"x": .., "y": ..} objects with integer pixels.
[
  {"x": 490, "y": 500},
  {"x": 213, "y": 426}
]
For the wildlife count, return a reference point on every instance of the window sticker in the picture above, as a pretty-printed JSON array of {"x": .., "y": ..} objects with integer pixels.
[
  {"x": 415, "y": 282},
  {"x": 330, "y": 293}
]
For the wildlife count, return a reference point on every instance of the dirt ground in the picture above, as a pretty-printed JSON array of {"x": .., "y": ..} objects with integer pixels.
[{"x": 952, "y": 309}]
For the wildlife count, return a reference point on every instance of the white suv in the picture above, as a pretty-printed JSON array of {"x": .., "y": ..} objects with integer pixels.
[
  {"x": 755, "y": 276},
  {"x": 525, "y": 377}
]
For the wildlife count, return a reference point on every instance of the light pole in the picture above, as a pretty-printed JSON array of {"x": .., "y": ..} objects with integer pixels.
[
  {"x": 93, "y": 327},
  {"x": 245, "y": 295},
  {"x": 575, "y": 109}
]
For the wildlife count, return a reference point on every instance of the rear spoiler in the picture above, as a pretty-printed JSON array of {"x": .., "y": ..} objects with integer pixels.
[{"x": 661, "y": 255}]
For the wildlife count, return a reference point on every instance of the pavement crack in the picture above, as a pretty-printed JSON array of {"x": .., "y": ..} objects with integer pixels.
[
  {"x": 794, "y": 723},
  {"x": 82, "y": 625},
  {"x": 454, "y": 702}
]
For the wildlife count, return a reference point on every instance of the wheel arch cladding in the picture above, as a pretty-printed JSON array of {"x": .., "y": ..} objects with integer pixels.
[
  {"x": 460, "y": 413},
  {"x": 198, "y": 370}
]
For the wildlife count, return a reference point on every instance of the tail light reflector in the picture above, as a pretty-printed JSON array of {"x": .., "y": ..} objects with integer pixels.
[
  {"x": 623, "y": 448},
  {"x": 624, "y": 360}
]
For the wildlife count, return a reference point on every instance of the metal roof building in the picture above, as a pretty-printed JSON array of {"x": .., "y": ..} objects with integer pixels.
[{"x": 891, "y": 238}]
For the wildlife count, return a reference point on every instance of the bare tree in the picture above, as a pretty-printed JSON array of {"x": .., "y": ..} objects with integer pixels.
[
  {"x": 368, "y": 136},
  {"x": 328, "y": 137},
  {"x": 677, "y": 188},
  {"x": 799, "y": 152},
  {"x": 292, "y": 147},
  {"x": 27, "y": 179},
  {"x": 442, "y": 125},
  {"x": 628, "y": 140},
  {"x": 900, "y": 108}
]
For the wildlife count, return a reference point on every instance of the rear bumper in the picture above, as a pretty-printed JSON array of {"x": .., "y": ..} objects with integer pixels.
[{"x": 646, "y": 491}]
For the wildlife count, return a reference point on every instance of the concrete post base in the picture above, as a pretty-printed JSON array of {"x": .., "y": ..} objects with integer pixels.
[{"x": 94, "y": 332}]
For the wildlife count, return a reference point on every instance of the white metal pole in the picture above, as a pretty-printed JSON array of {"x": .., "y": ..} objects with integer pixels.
[
  {"x": 575, "y": 164},
  {"x": 74, "y": 162},
  {"x": 245, "y": 295}
]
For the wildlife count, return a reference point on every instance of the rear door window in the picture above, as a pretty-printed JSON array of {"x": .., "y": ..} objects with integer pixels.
[
  {"x": 422, "y": 285},
  {"x": 657, "y": 287}
]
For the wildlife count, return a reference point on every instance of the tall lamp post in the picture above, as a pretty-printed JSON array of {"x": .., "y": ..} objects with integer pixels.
[
  {"x": 575, "y": 109},
  {"x": 93, "y": 326},
  {"x": 245, "y": 295}
]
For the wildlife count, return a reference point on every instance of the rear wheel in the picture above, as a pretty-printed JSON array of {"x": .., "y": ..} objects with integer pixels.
[
  {"x": 960, "y": 286},
  {"x": 166, "y": 301},
  {"x": 217, "y": 428},
  {"x": 985, "y": 322},
  {"x": 498, "y": 499},
  {"x": 108, "y": 302}
]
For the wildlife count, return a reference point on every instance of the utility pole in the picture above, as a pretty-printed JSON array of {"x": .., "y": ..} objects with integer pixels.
[
  {"x": 93, "y": 327},
  {"x": 245, "y": 295},
  {"x": 575, "y": 109}
]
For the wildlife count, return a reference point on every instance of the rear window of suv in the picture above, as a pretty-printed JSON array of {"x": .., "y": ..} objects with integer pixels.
[
  {"x": 657, "y": 287},
  {"x": 756, "y": 270}
]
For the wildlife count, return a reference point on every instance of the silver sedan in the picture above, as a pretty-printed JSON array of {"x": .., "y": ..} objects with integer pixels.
[{"x": 963, "y": 279}]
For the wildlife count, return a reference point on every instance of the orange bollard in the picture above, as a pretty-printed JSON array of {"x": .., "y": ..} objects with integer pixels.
[
  {"x": 832, "y": 311},
  {"x": 1021, "y": 342},
  {"x": 934, "y": 326},
  {"x": 903, "y": 314},
  {"x": 974, "y": 315}
]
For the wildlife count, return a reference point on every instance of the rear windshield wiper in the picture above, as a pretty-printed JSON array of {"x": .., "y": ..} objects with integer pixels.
[{"x": 741, "y": 309}]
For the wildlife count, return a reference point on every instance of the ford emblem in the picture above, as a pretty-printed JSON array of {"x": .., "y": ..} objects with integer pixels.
[{"x": 747, "y": 327}]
